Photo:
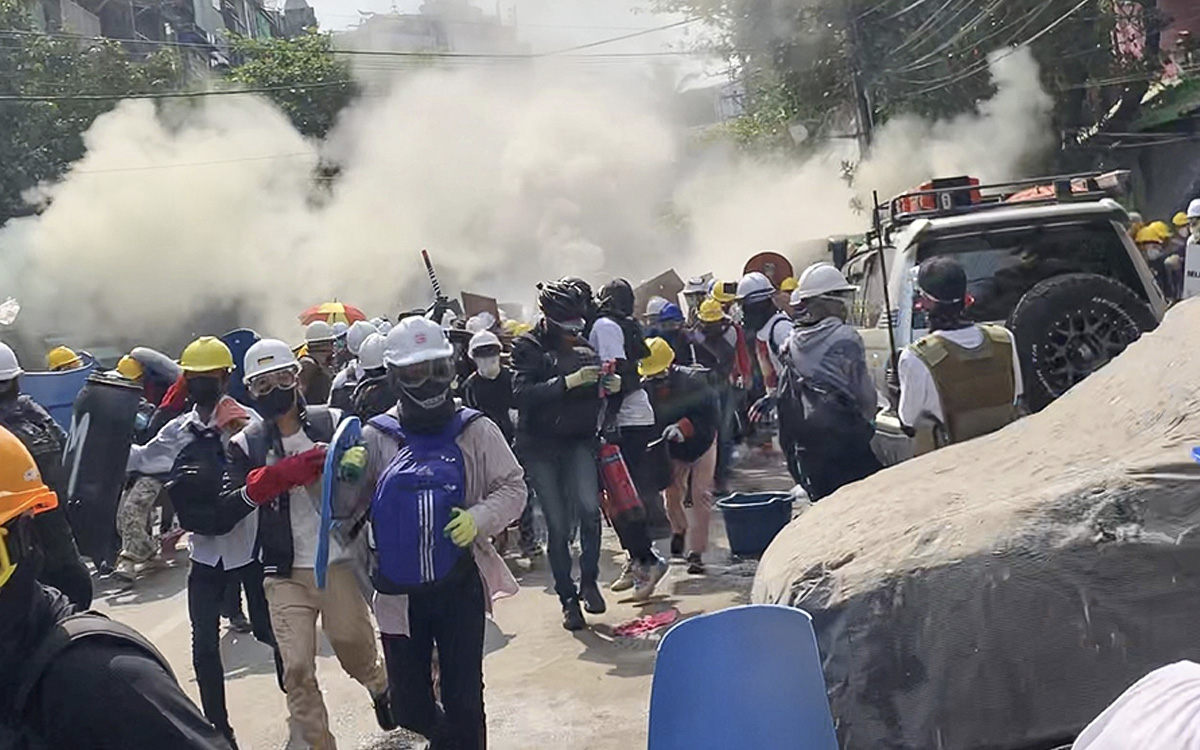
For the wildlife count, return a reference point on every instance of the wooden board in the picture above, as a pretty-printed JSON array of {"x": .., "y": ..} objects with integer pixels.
[
  {"x": 473, "y": 304},
  {"x": 667, "y": 284}
]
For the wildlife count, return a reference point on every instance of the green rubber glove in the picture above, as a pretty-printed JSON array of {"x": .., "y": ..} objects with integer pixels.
[
  {"x": 353, "y": 464},
  {"x": 461, "y": 529},
  {"x": 583, "y": 376}
]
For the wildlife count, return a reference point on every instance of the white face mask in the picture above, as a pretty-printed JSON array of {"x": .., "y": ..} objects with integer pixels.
[{"x": 489, "y": 367}]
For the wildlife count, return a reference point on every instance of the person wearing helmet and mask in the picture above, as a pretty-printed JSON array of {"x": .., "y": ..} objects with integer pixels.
[
  {"x": 342, "y": 391},
  {"x": 686, "y": 411},
  {"x": 74, "y": 680},
  {"x": 372, "y": 395},
  {"x": 317, "y": 366},
  {"x": 221, "y": 554},
  {"x": 1152, "y": 240},
  {"x": 628, "y": 423},
  {"x": 556, "y": 382},
  {"x": 770, "y": 325},
  {"x": 650, "y": 316},
  {"x": 277, "y": 465},
  {"x": 436, "y": 571},
  {"x": 672, "y": 329},
  {"x": 828, "y": 401},
  {"x": 1176, "y": 252},
  {"x": 720, "y": 347},
  {"x": 695, "y": 291},
  {"x": 44, "y": 439},
  {"x": 963, "y": 379}
]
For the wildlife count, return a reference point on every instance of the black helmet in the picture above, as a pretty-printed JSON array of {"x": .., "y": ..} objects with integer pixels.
[
  {"x": 943, "y": 280},
  {"x": 563, "y": 300},
  {"x": 616, "y": 299},
  {"x": 584, "y": 288}
]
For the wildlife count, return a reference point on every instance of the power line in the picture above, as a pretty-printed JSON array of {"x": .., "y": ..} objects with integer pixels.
[
  {"x": 167, "y": 94},
  {"x": 192, "y": 164}
]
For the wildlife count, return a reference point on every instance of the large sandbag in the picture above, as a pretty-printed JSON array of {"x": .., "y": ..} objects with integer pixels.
[{"x": 1000, "y": 593}]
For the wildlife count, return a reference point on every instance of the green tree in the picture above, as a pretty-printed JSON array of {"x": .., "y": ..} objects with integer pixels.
[
  {"x": 302, "y": 76},
  {"x": 42, "y": 118}
]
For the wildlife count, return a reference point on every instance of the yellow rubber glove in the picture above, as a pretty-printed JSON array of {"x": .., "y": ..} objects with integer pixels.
[
  {"x": 461, "y": 529},
  {"x": 353, "y": 464},
  {"x": 583, "y": 376}
]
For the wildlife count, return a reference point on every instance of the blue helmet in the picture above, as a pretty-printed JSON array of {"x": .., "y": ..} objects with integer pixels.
[{"x": 670, "y": 312}]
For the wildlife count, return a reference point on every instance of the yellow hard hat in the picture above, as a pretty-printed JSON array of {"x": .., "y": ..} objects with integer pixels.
[
  {"x": 710, "y": 311},
  {"x": 1154, "y": 232},
  {"x": 661, "y": 357},
  {"x": 21, "y": 491},
  {"x": 724, "y": 291},
  {"x": 788, "y": 285},
  {"x": 130, "y": 368},
  {"x": 206, "y": 354},
  {"x": 62, "y": 358},
  {"x": 1180, "y": 220}
]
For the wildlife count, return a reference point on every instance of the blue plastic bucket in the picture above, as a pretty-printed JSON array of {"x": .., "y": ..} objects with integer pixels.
[
  {"x": 753, "y": 519},
  {"x": 56, "y": 391}
]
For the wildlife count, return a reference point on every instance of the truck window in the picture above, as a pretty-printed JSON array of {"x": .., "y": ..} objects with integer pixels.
[
  {"x": 867, "y": 307},
  {"x": 1004, "y": 263}
]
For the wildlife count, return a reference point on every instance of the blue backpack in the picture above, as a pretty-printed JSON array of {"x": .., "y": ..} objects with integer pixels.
[{"x": 412, "y": 503}]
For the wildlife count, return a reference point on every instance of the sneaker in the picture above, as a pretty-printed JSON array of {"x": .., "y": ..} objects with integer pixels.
[
  {"x": 573, "y": 617},
  {"x": 626, "y": 581},
  {"x": 677, "y": 546},
  {"x": 531, "y": 550},
  {"x": 695, "y": 564},
  {"x": 239, "y": 624},
  {"x": 593, "y": 602},
  {"x": 383, "y": 712},
  {"x": 648, "y": 579},
  {"x": 126, "y": 570}
]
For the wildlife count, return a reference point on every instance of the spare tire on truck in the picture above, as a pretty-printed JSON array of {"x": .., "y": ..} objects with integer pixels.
[{"x": 1069, "y": 326}]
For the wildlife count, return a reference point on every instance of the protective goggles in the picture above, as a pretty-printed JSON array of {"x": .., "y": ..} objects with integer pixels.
[
  {"x": 416, "y": 375},
  {"x": 269, "y": 381}
]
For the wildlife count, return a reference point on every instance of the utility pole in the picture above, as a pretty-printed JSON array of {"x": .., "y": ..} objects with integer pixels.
[{"x": 862, "y": 100}]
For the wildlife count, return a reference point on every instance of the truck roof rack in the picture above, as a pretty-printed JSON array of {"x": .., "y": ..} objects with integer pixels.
[{"x": 962, "y": 195}]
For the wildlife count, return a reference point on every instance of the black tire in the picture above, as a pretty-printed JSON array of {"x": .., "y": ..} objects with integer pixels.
[{"x": 1069, "y": 326}]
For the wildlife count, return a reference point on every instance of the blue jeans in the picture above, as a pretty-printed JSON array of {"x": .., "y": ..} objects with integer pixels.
[{"x": 566, "y": 484}]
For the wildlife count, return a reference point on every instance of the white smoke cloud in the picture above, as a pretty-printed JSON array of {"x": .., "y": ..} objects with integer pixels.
[{"x": 508, "y": 175}]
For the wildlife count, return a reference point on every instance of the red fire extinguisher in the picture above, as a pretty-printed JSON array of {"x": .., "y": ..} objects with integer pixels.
[{"x": 618, "y": 492}]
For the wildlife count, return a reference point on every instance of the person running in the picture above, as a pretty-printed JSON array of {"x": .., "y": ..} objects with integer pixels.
[
  {"x": 437, "y": 571},
  {"x": 686, "y": 411},
  {"x": 556, "y": 380},
  {"x": 277, "y": 464},
  {"x": 720, "y": 347},
  {"x": 628, "y": 422},
  {"x": 222, "y": 554},
  {"x": 71, "y": 680},
  {"x": 62, "y": 568}
]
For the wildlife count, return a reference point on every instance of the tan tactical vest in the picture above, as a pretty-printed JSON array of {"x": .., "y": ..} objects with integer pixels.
[{"x": 976, "y": 386}]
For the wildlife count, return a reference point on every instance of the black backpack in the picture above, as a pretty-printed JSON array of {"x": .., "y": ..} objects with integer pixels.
[{"x": 15, "y": 734}]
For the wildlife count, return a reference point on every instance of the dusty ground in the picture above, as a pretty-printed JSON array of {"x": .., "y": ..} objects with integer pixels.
[{"x": 545, "y": 687}]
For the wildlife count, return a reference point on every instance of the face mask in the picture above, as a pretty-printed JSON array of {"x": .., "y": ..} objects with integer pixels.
[
  {"x": 429, "y": 395},
  {"x": 276, "y": 403},
  {"x": 205, "y": 392},
  {"x": 489, "y": 367},
  {"x": 1154, "y": 251},
  {"x": 9, "y": 390},
  {"x": 426, "y": 408}
]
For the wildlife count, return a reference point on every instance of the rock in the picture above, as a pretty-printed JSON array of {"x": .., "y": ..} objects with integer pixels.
[{"x": 1000, "y": 593}]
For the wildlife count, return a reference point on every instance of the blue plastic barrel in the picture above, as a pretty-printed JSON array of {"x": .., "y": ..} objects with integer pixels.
[
  {"x": 56, "y": 391},
  {"x": 753, "y": 519}
]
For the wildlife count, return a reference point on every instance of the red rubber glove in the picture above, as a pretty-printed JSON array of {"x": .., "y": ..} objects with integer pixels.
[
  {"x": 176, "y": 396},
  {"x": 269, "y": 482}
]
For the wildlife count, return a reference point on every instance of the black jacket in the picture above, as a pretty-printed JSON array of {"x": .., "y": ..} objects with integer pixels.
[
  {"x": 685, "y": 394},
  {"x": 41, "y": 435},
  {"x": 547, "y": 412},
  {"x": 494, "y": 398},
  {"x": 100, "y": 693},
  {"x": 249, "y": 450}
]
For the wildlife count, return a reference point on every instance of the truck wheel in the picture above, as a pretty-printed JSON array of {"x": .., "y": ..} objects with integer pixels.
[{"x": 1069, "y": 326}]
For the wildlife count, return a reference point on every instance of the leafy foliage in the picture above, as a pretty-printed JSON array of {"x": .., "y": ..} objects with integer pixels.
[{"x": 309, "y": 83}]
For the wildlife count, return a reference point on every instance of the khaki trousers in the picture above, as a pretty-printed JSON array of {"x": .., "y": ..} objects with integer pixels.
[
  {"x": 689, "y": 498},
  {"x": 295, "y": 603}
]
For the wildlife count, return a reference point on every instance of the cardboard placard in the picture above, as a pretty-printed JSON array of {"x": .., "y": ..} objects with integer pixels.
[
  {"x": 473, "y": 304},
  {"x": 667, "y": 284}
]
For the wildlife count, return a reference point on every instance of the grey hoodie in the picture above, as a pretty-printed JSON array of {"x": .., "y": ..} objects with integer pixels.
[{"x": 831, "y": 354}]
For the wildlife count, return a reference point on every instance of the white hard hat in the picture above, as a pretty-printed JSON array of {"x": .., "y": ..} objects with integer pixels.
[
  {"x": 357, "y": 335},
  {"x": 754, "y": 287},
  {"x": 319, "y": 332},
  {"x": 370, "y": 354},
  {"x": 480, "y": 340},
  {"x": 9, "y": 367},
  {"x": 340, "y": 328},
  {"x": 819, "y": 280},
  {"x": 480, "y": 322},
  {"x": 415, "y": 340},
  {"x": 655, "y": 306},
  {"x": 698, "y": 284},
  {"x": 1193, "y": 211},
  {"x": 268, "y": 355}
]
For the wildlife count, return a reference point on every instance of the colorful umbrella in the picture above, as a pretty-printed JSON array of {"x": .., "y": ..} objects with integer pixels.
[{"x": 332, "y": 312}]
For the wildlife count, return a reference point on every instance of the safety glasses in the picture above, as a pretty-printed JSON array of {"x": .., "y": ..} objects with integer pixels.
[
  {"x": 269, "y": 381},
  {"x": 416, "y": 375}
]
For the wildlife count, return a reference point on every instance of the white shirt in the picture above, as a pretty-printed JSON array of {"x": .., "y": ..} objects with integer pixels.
[
  {"x": 775, "y": 334},
  {"x": 608, "y": 340},
  {"x": 918, "y": 392},
  {"x": 1160, "y": 712},
  {"x": 304, "y": 508}
]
